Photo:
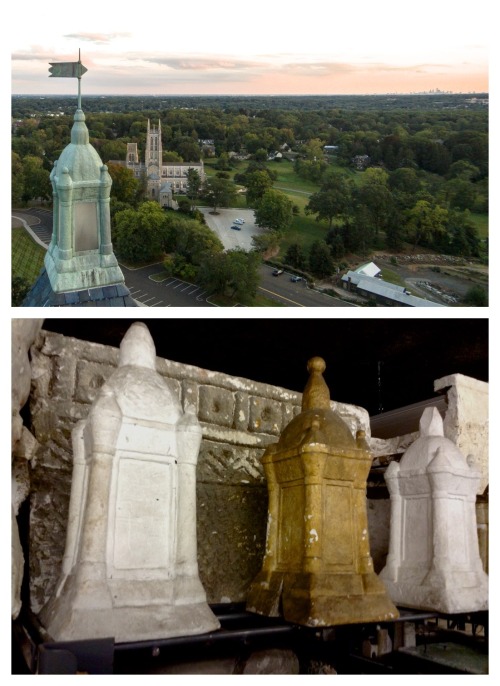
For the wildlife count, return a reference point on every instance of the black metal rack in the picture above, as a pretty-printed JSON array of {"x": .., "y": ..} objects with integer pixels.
[{"x": 242, "y": 633}]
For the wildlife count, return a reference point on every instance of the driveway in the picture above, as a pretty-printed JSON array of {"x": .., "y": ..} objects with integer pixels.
[{"x": 221, "y": 225}]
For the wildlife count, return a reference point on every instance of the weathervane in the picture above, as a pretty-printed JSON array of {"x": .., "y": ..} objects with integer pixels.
[{"x": 74, "y": 70}]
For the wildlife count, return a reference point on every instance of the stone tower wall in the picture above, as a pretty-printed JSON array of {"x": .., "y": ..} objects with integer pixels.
[{"x": 239, "y": 418}]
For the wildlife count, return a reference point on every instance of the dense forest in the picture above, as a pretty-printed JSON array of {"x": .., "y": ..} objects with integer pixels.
[
  {"x": 25, "y": 105},
  {"x": 397, "y": 169}
]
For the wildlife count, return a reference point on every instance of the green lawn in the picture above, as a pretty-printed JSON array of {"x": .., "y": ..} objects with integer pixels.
[
  {"x": 27, "y": 256},
  {"x": 287, "y": 179},
  {"x": 480, "y": 221}
]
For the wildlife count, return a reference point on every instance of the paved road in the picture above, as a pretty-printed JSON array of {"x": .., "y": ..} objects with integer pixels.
[
  {"x": 39, "y": 220},
  {"x": 290, "y": 294}
]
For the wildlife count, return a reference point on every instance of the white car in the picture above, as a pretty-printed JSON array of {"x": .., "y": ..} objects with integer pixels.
[{"x": 239, "y": 221}]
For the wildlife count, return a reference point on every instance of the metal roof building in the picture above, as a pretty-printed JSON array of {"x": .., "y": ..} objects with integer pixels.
[{"x": 383, "y": 292}]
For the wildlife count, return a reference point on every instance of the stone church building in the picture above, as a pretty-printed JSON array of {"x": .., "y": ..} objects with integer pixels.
[{"x": 163, "y": 180}]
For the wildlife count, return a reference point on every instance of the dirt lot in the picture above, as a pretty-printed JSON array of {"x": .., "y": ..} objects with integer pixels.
[
  {"x": 441, "y": 281},
  {"x": 435, "y": 277}
]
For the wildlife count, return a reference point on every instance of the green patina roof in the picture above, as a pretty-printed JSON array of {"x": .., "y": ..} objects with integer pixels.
[{"x": 80, "y": 157}]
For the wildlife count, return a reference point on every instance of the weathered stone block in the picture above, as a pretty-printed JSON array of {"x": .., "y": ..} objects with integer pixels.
[
  {"x": 241, "y": 411},
  {"x": 90, "y": 377},
  {"x": 216, "y": 406},
  {"x": 272, "y": 661},
  {"x": 229, "y": 464},
  {"x": 265, "y": 416},
  {"x": 466, "y": 420}
]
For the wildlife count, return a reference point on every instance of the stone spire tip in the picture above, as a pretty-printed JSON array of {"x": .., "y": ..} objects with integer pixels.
[
  {"x": 137, "y": 347},
  {"x": 316, "y": 393}
]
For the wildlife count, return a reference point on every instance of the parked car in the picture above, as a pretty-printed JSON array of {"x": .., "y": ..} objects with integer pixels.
[
  {"x": 239, "y": 221},
  {"x": 295, "y": 278},
  {"x": 236, "y": 228},
  {"x": 277, "y": 272}
]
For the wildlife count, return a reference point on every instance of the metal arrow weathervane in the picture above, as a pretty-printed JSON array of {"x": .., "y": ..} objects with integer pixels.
[{"x": 72, "y": 70}]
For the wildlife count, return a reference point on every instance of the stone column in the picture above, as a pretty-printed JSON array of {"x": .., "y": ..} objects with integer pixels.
[
  {"x": 65, "y": 221},
  {"x": 394, "y": 556},
  {"x": 106, "y": 247}
]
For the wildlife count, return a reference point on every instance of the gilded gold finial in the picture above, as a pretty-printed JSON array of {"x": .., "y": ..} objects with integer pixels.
[{"x": 316, "y": 394}]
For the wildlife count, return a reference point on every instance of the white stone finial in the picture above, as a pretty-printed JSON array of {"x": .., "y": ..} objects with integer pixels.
[
  {"x": 433, "y": 561},
  {"x": 131, "y": 568},
  {"x": 431, "y": 422},
  {"x": 137, "y": 348}
]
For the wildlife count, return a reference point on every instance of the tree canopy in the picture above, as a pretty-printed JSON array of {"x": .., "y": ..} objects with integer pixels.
[{"x": 274, "y": 211}]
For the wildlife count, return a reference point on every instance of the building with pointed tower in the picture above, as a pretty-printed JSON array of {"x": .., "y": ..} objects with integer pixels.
[
  {"x": 162, "y": 180},
  {"x": 80, "y": 268}
]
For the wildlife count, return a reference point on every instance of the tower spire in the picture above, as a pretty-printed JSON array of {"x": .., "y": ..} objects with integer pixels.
[{"x": 72, "y": 70}]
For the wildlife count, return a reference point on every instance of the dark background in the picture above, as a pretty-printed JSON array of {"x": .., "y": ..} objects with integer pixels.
[{"x": 379, "y": 364}]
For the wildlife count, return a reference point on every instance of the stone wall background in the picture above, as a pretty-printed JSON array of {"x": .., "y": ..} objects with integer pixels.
[{"x": 239, "y": 418}]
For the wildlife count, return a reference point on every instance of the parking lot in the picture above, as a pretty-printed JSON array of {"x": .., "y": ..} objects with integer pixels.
[
  {"x": 221, "y": 225},
  {"x": 166, "y": 292}
]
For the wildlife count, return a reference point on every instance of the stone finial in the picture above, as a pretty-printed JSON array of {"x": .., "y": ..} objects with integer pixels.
[
  {"x": 137, "y": 348},
  {"x": 317, "y": 569},
  {"x": 130, "y": 568},
  {"x": 316, "y": 393},
  {"x": 433, "y": 561},
  {"x": 431, "y": 422}
]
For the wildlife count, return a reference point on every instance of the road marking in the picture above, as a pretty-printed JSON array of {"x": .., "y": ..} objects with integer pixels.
[
  {"x": 146, "y": 301},
  {"x": 281, "y": 296}
]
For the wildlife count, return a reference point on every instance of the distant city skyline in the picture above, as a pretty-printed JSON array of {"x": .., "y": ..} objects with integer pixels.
[{"x": 225, "y": 48}]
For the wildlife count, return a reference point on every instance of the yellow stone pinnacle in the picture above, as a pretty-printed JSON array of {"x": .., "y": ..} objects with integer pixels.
[{"x": 316, "y": 393}]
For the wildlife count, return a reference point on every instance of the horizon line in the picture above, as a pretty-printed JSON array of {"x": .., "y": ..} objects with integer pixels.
[{"x": 247, "y": 95}]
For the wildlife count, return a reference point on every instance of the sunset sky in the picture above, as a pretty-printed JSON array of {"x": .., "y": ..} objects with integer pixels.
[{"x": 254, "y": 47}]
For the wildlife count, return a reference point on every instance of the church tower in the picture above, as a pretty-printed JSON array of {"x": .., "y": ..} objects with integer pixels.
[
  {"x": 80, "y": 265},
  {"x": 153, "y": 160}
]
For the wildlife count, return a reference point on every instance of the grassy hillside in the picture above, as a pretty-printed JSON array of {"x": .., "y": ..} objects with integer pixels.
[{"x": 27, "y": 256}]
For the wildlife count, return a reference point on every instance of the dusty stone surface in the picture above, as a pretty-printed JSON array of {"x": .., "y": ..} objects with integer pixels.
[
  {"x": 273, "y": 661},
  {"x": 24, "y": 445},
  {"x": 231, "y": 490},
  {"x": 466, "y": 421},
  {"x": 270, "y": 661}
]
